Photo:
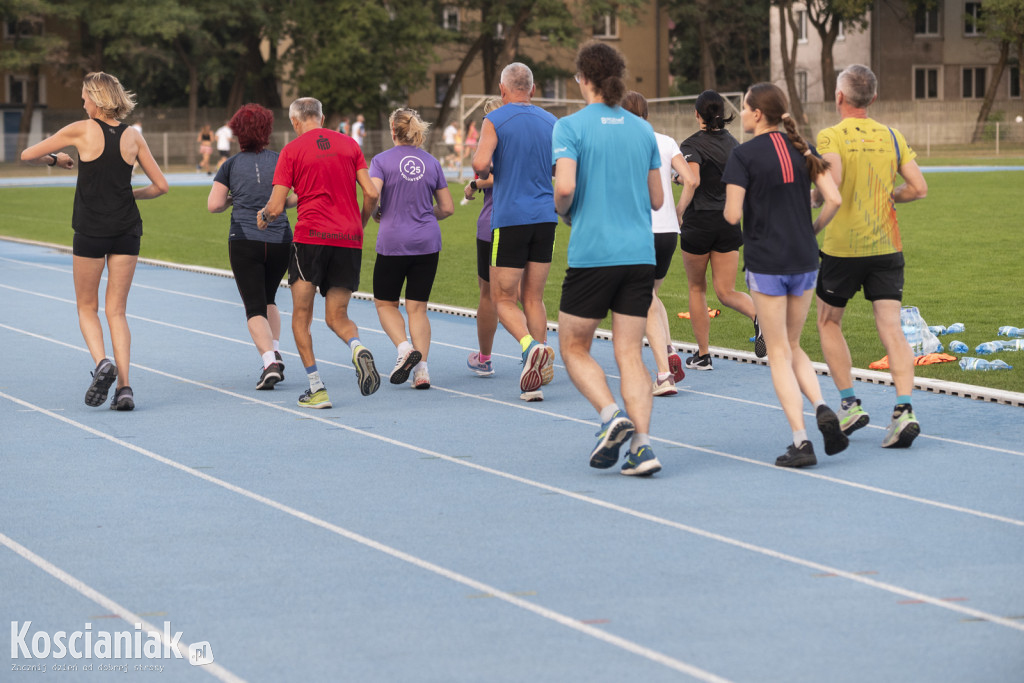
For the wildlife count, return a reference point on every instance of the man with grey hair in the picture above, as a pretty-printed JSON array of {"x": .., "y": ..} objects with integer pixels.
[
  {"x": 323, "y": 167},
  {"x": 862, "y": 247},
  {"x": 515, "y": 144}
]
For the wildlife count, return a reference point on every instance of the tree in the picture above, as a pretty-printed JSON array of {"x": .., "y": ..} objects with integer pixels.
[
  {"x": 724, "y": 46},
  {"x": 360, "y": 56},
  {"x": 787, "y": 27},
  {"x": 826, "y": 16},
  {"x": 30, "y": 48},
  {"x": 1002, "y": 23}
]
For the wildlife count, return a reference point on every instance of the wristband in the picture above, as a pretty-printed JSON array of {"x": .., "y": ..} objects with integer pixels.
[{"x": 54, "y": 157}]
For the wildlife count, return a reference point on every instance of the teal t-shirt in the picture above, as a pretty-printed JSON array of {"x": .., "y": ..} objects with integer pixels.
[{"x": 611, "y": 210}]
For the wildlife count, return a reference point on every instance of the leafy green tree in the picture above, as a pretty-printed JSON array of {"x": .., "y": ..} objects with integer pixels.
[
  {"x": 1002, "y": 22},
  {"x": 355, "y": 55},
  {"x": 826, "y": 16}
]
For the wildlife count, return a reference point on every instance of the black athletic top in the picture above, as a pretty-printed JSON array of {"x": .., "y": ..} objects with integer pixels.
[
  {"x": 711, "y": 151},
  {"x": 104, "y": 203}
]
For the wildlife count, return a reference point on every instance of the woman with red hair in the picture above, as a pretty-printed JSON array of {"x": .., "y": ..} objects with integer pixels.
[{"x": 259, "y": 258}]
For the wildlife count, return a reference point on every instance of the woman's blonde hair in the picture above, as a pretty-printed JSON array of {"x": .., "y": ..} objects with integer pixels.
[
  {"x": 109, "y": 96},
  {"x": 408, "y": 127},
  {"x": 491, "y": 104}
]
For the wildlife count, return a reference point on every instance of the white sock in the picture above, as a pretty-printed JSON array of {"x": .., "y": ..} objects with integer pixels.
[
  {"x": 277, "y": 345},
  {"x": 608, "y": 411},
  {"x": 799, "y": 436},
  {"x": 315, "y": 383},
  {"x": 662, "y": 376},
  {"x": 268, "y": 358},
  {"x": 639, "y": 441},
  {"x": 422, "y": 365},
  {"x": 353, "y": 343},
  {"x": 404, "y": 348}
]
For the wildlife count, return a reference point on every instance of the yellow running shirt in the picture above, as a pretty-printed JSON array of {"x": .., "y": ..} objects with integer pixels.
[{"x": 866, "y": 222}]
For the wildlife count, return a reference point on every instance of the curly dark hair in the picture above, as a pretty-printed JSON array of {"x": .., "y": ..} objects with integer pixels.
[
  {"x": 604, "y": 67},
  {"x": 252, "y": 125}
]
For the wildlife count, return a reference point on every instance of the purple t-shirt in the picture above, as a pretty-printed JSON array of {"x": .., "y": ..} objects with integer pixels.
[
  {"x": 483, "y": 224},
  {"x": 408, "y": 226}
]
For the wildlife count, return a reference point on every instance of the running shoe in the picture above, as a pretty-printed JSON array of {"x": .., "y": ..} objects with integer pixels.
[
  {"x": 699, "y": 362},
  {"x": 124, "y": 399},
  {"x": 280, "y": 361},
  {"x": 853, "y": 418},
  {"x": 675, "y": 366},
  {"x": 272, "y": 374},
  {"x": 421, "y": 379},
  {"x": 102, "y": 377},
  {"x": 483, "y": 368},
  {"x": 665, "y": 387},
  {"x": 828, "y": 424},
  {"x": 547, "y": 370},
  {"x": 403, "y": 366},
  {"x": 534, "y": 358},
  {"x": 532, "y": 396},
  {"x": 315, "y": 399},
  {"x": 643, "y": 463},
  {"x": 760, "y": 348},
  {"x": 366, "y": 372},
  {"x": 610, "y": 437},
  {"x": 903, "y": 429},
  {"x": 797, "y": 457}
]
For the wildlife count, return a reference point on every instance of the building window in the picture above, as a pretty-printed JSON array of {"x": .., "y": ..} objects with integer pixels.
[
  {"x": 801, "y": 85},
  {"x": 16, "y": 89},
  {"x": 926, "y": 21},
  {"x": 801, "y": 26},
  {"x": 974, "y": 82},
  {"x": 450, "y": 18},
  {"x": 972, "y": 15},
  {"x": 553, "y": 89},
  {"x": 1015, "y": 82},
  {"x": 926, "y": 83},
  {"x": 18, "y": 29},
  {"x": 606, "y": 26},
  {"x": 441, "y": 84}
]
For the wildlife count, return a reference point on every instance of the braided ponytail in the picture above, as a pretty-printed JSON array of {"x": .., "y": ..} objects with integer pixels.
[
  {"x": 772, "y": 102},
  {"x": 815, "y": 164}
]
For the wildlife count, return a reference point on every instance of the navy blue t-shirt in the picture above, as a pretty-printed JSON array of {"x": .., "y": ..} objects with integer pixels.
[
  {"x": 778, "y": 234},
  {"x": 250, "y": 179}
]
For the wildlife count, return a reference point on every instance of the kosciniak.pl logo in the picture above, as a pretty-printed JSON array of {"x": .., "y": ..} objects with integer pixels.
[{"x": 101, "y": 644}]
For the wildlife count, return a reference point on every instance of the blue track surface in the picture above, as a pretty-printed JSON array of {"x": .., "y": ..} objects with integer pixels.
[{"x": 458, "y": 534}]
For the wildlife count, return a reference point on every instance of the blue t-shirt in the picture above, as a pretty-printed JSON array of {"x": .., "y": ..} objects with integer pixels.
[
  {"x": 778, "y": 233},
  {"x": 408, "y": 226},
  {"x": 522, "y": 166},
  {"x": 614, "y": 152},
  {"x": 249, "y": 177}
]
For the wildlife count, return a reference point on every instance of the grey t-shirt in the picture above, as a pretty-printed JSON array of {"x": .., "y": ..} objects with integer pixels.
[{"x": 249, "y": 177}]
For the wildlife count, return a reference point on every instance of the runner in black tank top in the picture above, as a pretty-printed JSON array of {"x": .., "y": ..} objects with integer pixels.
[
  {"x": 104, "y": 203},
  {"x": 106, "y": 222}
]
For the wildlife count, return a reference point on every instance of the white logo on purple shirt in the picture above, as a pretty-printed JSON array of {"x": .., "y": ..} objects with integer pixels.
[{"x": 411, "y": 168}]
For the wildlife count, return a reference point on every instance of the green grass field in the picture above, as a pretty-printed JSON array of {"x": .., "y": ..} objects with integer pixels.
[{"x": 963, "y": 245}]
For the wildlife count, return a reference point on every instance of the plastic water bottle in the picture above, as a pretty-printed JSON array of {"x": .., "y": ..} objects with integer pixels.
[
  {"x": 1007, "y": 331},
  {"x": 989, "y": 347},
  {"x": 955, "y": 328},
  {"x": 937, "y": 329},
  {"x": 957, "y": 346},
  {"x": 916, "y": 331},
  {"x": 1012, "y": 345},
  {"x": 970, "y": 363}
]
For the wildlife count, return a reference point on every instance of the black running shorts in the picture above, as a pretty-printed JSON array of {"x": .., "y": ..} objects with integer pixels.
[
  {"x": 840, "y": 278},
  {"x": 483, "y": 259},
  {"x": 513, "y": 246},
  {"x": 707, "y": 231},
  {"x": 416, "y": 272},
  {"x": 325, "y": 266},
  {"x": 664, "y": 249},
  {"x": 590, "y": 292},
  {"x": 259, "y": 268},
  {"x": 100, "y": 247}
]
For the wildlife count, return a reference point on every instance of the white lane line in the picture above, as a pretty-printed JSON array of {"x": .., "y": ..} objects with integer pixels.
[
  {"x": 726, "y": 540},
  {"x": 479, "y": 586},
  {"x": 214, "y": 669},
  {"x": 541, "y": 411}
]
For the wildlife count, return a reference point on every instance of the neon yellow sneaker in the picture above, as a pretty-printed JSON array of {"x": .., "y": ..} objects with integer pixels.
[{"x": 317, "y": 399}]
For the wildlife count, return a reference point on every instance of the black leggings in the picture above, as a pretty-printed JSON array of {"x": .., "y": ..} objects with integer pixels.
[{"x": 258, "y": 268}]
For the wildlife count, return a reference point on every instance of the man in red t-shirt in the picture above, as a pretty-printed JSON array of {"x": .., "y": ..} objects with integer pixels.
[{"x": 323, "y": 167}]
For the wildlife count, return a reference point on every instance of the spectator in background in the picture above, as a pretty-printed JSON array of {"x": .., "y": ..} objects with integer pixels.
[
  {"x": 205, "y": 140},
  {"x": 224, "y": 136}
]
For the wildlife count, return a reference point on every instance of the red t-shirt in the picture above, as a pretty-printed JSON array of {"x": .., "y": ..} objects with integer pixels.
[{"x": 321, "y": 167}]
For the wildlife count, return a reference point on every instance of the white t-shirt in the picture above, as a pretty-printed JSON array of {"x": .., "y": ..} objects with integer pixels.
[
  {"x": 664, "y": 219},
  {"x": 449, "y": 134},
  {"x": 224, "y": 136},
  {"x": 358, "y": 132}
]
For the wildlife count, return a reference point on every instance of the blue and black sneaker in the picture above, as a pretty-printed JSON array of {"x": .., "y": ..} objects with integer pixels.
[{"x": 610, "y": 438}]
